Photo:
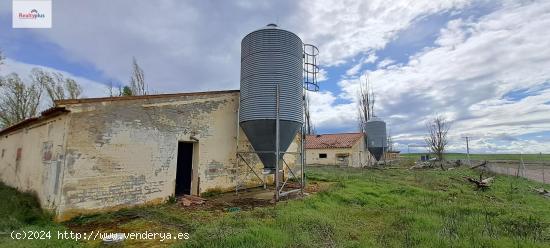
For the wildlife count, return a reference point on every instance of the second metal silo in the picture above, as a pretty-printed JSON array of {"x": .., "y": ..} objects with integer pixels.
[
  {"x": 271, "y": 80},
  {"x": 377, "y": 142}
]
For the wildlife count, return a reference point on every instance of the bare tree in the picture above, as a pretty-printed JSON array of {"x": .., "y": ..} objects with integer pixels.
[
  {"x": 436, "y": 140},
  {"x": 111, "y": 89},
  {"x": 310, "y": 129},
  {"x": 366, "y": 102},
  {"x": 2, "y": 58},
  {"x": 18, "y": 101},
  {"x": 56, "y": 85},
  {"x": 137, "y": 80},
  {"x": 73, "y": 88},
  {"x": 1, "y": 79}
]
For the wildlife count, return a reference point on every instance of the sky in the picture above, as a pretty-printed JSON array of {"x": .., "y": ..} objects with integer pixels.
[{"x": 483, "y": 65}]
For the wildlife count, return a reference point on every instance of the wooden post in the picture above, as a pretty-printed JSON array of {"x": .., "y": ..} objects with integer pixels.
[{"x": 522, "y": 165}]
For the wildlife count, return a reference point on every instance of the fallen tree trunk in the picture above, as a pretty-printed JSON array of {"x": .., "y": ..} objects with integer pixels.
[
  {"x": 481, "y": 184},
  {"x": 541, "y": 191}
]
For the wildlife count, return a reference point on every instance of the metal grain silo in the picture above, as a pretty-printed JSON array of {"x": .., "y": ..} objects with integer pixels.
[
  {"x": 377, "y": 141},
  {"x": 271, "y": 62}
]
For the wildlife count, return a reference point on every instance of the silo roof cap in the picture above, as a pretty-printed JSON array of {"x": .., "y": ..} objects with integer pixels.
[{"x": 270, "y": 26}]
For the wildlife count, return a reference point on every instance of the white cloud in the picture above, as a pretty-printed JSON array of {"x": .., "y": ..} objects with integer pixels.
[
  {"x": 384, "y": 63},
  {"x": 90, "y": 88},
  {"x": 354, "y": 69},
  {"x": 472, "y": 65},
  {"x": 467, "y": 76},
  {"x": 328, "y": 114},
  {"x": 186, "y": 46},
  {"x": 181, "y": 45},
  {"x": 371, "y": 58},
  {"x": 322, "y": 76},
  {"x": 343, "y": 29}
]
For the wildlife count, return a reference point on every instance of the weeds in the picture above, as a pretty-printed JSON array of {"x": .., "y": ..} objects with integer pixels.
[{"x": 363, "y": 208}]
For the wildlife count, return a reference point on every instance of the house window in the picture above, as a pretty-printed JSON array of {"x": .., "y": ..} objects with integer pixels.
[{"x": 322, "y": 155}]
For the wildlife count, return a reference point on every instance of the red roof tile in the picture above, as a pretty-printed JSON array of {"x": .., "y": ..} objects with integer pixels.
[
  {"x": 46, "y": 114},
  {"x": 336, "y": 140}
]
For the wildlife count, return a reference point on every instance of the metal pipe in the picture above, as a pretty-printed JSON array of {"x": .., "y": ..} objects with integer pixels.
[
  {"x": 302, "y": 166},
  {"x": 237, "y": 147},
  {"x": 289, "y": 169},
  {"x": 277, "y": 144},
  {"x": 288, "y": 192},
  {"x": 250, "y": 167},
  {"x": 283, "y": 185}
]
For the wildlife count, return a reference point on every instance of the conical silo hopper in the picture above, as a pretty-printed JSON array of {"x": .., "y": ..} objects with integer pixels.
[
  {"x": 377, "y": 141},
  {"x": 271, "y": 57}
]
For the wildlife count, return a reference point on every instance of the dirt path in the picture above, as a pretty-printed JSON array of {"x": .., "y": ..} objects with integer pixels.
[{"x": 537, "y": 171}]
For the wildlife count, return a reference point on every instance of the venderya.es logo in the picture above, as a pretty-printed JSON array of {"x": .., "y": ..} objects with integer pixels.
[{"x": 32, "y": 13}]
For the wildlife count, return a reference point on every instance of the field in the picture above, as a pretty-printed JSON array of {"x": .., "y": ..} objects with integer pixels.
[
  {"x": 455, "y": 156},
  {"x": 361, "y": 208}
]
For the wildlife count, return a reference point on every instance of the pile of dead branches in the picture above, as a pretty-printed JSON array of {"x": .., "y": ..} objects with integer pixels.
[
  {"x": 541, "y": 191},
  {"x": 480, "y": 183},
  {"x": 423, "y": 165}
]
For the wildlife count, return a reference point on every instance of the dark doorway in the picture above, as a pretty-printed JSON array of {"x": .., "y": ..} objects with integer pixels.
[{"x": 185, "y": 167}]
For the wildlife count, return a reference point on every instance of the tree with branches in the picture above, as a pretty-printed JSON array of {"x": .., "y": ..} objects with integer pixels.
[
  {"x": 57, "y": 87},
  {"x": 137, "y": 80},
  {"x": 366, "y": 102},
  {"x": 18, "y": 101},
  {"x": 2, "y": 58},
  {"x": 310, "y": 129},
  {"x": 437, "y": 140}
]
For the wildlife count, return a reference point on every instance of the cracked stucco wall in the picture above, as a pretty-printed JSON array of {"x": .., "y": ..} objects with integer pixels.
[
  {"x": 124, "y": 152},
  {"x": 104, "y": 155},
  {"x": 31, "y": 159}
]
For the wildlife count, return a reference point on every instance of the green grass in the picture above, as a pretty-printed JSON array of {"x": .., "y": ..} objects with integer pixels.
[
  {"x": 453, "y": 156},
  {"x": 363, "y": 208},
  {"x": 20, "y": 212}
]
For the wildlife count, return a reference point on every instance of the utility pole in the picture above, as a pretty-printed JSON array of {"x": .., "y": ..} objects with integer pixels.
[
  {"x": 540, "y": 159},
  {"x": 522, "y": 165},
  {"x": 468, "y": 150}
]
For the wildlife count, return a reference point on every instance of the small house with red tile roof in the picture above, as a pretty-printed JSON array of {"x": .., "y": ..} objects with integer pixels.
[{"x": 341, "y": 149}]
